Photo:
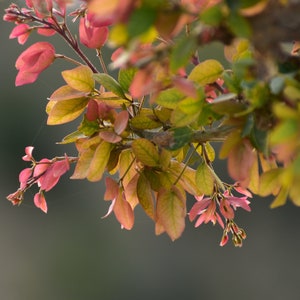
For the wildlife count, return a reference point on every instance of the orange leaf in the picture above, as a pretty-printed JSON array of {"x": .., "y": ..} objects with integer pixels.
[{"x": 123, "y": 212}]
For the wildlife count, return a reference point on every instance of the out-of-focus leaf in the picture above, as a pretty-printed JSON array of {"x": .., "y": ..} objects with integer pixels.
[
  {"x": 206, "y": 72},
  {"x": 140, "y": 21},
  {"x": 169, "y": 98},
  {"x": 182, "y": 52},
  {"x": 280, "y": 199},
  {"x": 269, "y": 182}
]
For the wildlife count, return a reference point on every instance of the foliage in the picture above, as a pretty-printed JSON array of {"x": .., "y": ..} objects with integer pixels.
[{"x": 152, "y": 131}]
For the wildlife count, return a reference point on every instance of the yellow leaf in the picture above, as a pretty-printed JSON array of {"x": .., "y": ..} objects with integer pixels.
[
  {"x": 206, "y": 72},
  {"x": 65, "y": 111},
  {"x": 80, "y": 78},
  {"x": 99, "y": 161},
  {"x": 145, "y": 152},
  {"x": 145, "y": 196},
  {"x": 66, "y": 93},
  {"x": 205, "y": 179},
  {"x": 269, "y": 182},
  {"x": 280, "y": 199}
]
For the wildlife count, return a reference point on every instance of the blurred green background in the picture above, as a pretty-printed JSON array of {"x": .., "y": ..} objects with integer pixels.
[{"x": 71, "y": 253}]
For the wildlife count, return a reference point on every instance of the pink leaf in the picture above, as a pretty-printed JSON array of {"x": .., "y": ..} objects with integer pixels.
[
  {"x": 121, "y": 122},
  {"x": 40, "y": 202}
]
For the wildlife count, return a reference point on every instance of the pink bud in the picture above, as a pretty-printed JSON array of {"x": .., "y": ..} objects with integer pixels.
[
  {"x": 33, "y": 61},
  {"x": 90, "y": 36},
  {"x": 21, "y": 32},
  {"x": 28, "y": 152}
]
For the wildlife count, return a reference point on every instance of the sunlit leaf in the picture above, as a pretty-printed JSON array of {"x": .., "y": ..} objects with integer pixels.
[
  {"x": 80, "y": 78},
  {"x": 65, "y": 111},
  {"x": 99, "y": 161},
  {"x": 66, "y": 93},
  {"x": 205, "y": 179}
]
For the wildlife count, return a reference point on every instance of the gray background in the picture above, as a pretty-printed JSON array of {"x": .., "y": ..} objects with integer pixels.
[{"x": 71, "y": 253}]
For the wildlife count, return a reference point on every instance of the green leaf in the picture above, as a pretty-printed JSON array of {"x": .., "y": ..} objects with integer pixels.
[
  {"x": 99, "y": 161},
  {"x": 212, "y": 16},
  {"x": 72, "y": 137},
  {"x": 125, "y": 77},
  {"x": 171, "y": 211},
  {"x": 88, "y": 128},
  {"x": 145, "y": 152},
  {"x": 140, "y": 21},
  {"x": 181, "y": 136},
  {"x": 181, "y": 119},
  {"x": 239, "y": 25},
  {"x": 65, "y": 111},
  {"x": 205, "y": 179},
  {"x": 206, "y": 72},
  {"x": 145, "y": 196},
  {"x": 80, "y": 78},
  {"x": 110, "y": 84},
  {"x": 190, "y": 105},
  {"x": 182, "y": 52}
]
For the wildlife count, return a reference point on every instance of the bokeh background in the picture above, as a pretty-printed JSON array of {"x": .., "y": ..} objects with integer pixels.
[{"x": 71, "y": 253}]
